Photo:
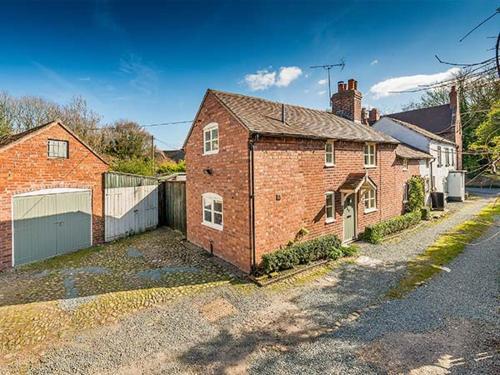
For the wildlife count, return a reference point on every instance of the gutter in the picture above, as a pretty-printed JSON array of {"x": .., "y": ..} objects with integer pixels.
[{"x": 251, "y": 202}]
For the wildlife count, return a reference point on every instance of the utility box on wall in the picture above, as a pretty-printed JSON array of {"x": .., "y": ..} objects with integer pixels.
[{"x": 456, "y": 186}]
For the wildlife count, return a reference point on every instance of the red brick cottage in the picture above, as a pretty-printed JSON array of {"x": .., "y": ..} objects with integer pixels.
[
  {"x": 50, "y": 194},
  {"x": 260, "y": 171}
]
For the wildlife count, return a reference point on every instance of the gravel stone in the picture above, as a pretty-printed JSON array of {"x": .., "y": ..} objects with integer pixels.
[{"x": 334, "y": 323}]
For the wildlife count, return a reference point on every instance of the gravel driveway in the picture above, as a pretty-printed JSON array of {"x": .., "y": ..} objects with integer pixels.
[{"x": 333, "y": 320}]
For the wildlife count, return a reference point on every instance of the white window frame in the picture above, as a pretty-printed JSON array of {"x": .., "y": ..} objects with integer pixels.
[
  {"x": 212, "y": 198},
  {"x": 440, "y": 157},
  {"x": 332, "y": 153},
  {"x": 447, "y": 156},
  {"x": 368, "y": 147},
  {"x": 371, "y": 200},
  {"x": 212, "y": 141},
  {"x": 405, "y": 192},
  {"x": 405, "y": 164},
  {"x": 330, "y": 219},
  {"x": 452, "y": 152},
  {"x": 54, "y": 147}
]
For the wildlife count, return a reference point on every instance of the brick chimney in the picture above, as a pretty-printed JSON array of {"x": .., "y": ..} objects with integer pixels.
[
  {"x": 346, "y": 102},
  {"x": 456, "y": 123},
  {"x": 374, "y": 116}
]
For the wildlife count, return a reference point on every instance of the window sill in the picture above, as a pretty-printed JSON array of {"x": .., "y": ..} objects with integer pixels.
[
  {"x": 371, "y": 210},
  {"x": 211, "y": 153},
  {"x": 370, "y": 166},
  {"x": 329, "y": 221},
  {"x": 213, "y": 226},
  {"x": 329, "y": 165}
]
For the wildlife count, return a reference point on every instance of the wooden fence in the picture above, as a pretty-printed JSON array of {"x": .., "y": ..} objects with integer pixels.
[
  {"x": 130, "y": 204},
  {"x": 173, "y": 204}
]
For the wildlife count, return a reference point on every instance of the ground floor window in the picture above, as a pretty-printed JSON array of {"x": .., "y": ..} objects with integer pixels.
[
  {"x": 370, "y": 200},
  {"x": 212, "y": 210},
  {"x": 330, "y": 206}
]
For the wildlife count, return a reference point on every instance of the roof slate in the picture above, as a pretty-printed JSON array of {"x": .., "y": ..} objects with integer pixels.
[
  {"x": 264, "y": 117},
  {"x": 420, "y": 130},
  {"x": 436, "y": 119},
  {"x": 408, "y": 152}
]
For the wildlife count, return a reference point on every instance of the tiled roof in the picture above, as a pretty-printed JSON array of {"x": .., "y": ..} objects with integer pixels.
[
  {"x": 437, "y": 120},
  {"x": 11, "y": 138},
  {"x": 175, "y": 155},
  {"x": 420, "y": 130},
  {"x": 354, "y": 181},
  {"x": 264, "y": 117},
  {"x": 408, "y": 152}
]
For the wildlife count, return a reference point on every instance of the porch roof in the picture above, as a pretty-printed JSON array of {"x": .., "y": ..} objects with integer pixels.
[{"x": 355, "y": 181}]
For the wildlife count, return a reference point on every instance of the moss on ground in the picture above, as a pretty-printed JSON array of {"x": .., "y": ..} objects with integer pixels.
[{"x": 444, "y": 250}]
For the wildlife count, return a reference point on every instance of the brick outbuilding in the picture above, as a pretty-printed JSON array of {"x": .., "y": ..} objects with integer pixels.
[
  {"x": 51, "y": 194},
  {"x": 260, "y": 171}
]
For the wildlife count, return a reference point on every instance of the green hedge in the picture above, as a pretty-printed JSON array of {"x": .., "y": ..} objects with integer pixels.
[
  {"x": 375, "y": 233},
  {"x": 426, "y": 213},
  {"x": 303, "y": 253}
]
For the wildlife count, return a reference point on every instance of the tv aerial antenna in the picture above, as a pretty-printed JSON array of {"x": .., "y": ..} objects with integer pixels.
[{"x": 328, "y": 67}]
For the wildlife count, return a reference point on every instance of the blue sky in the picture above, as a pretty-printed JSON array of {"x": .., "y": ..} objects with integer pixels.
[{"x": 151, "y": 61}]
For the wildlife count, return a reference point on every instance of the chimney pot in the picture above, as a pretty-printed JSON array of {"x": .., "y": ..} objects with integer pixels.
[
  {"x": 374, "y": 115},
  {"x": 347, "y": 101}
]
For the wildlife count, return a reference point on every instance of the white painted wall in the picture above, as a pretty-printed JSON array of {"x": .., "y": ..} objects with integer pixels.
[{"x": 438, "y": 174}]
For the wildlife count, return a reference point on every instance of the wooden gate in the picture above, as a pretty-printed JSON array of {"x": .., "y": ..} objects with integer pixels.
[
  {"x": 130, "y": 204},
  {"x": 174, "y": 205}
]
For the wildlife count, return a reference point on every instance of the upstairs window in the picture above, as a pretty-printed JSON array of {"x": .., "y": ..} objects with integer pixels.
[
  {"x": 370, "y": 200},
  {"x": 452, "y": 157},
  {"x": 212, "y": 210},
  {"x": 405, "y": 164},
  {"x": 447, "y": 156},
  {"x": 369, "y": 151},
  {"x": 330, "y": 206},
  {"x": 211, "y": 139},
  {"x": 329, "y": 154},
  {"x": 57, "y": 149},
  {"x": 440, "y": 157}
]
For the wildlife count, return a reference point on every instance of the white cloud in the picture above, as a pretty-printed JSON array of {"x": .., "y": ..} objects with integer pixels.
[
  {"x": 374, "y": 62},
  {"x": 261, "y": 80},
  {"x": 264, "y": 79},
  {"x": 392, "y": 85},
  {"x": 322, "y": 82},
  {"x": 287, "y": 75}
]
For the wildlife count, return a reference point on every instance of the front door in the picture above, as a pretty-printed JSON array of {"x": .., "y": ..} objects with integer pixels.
[{"x": 349, "y": 218}]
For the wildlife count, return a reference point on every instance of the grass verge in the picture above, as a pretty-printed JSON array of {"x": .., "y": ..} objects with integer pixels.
[{"x": 444, "y": 250}]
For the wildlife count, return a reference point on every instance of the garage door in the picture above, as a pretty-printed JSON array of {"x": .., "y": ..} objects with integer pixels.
[{"x": 51, "y": 222}]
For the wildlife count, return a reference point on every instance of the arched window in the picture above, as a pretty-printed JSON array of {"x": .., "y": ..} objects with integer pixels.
[
  {"x": 212, "y": 210},
  {"x": 211, "y": 139}
]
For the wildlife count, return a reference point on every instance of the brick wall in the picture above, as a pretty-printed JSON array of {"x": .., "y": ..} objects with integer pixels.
[
  {"x": 229, "y": 179},
  {"x": 291, "y": 180},
  {"x": 25, "y": 167}
]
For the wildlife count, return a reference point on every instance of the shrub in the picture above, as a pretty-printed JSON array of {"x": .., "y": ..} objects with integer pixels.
[
  {"x": 172, "y": 167},
  {"x": 302, "y": 253},
  {"x": 375, "y": 233},
  {"x": 416, "y": 193},
  {"x": 134, "y": 165},
  {"x": 426, "y": 213}
]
